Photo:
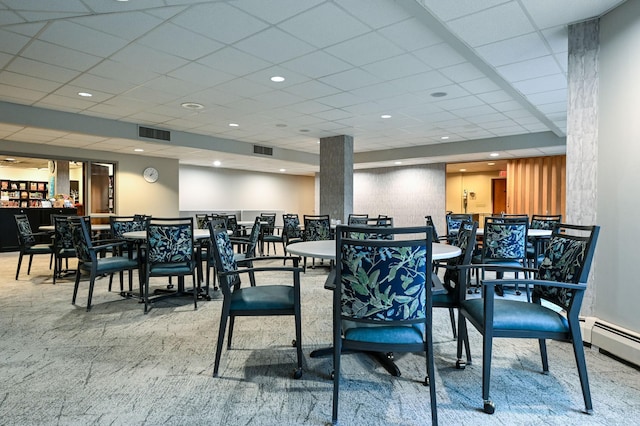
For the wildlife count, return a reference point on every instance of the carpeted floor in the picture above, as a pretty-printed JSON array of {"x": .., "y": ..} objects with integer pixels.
[{"x": 61, "y": 365}]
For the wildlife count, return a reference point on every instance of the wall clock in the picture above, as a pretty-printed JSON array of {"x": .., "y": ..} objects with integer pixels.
[{"x": 150, "y": 174}]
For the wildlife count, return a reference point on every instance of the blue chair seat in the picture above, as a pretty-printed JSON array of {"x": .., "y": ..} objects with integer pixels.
[
  {"x": 172, "y": 269},
  {"x": 111, "y": 264},
  {"x": 264, "y": 297},
  {"x": 374, "y": 333},
  {"x": 38, "y": 249},
  {"x": 515, "y": 315}
]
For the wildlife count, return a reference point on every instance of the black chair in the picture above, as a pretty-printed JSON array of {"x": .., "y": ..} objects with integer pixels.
[
  {"x": 382, "y": 300},
  {"x": 170, "y": 252},
  {"x": 63, "y": 247},
  {"x": 202, "y": 220},
  {"x": 28, "y": 242},
  {"x": 119, "y": 225},
  {"x": 291, "y": 232},
  {"x": 90, "y": 260},
  {"x": 454, "y": 220},
  {"x": 537, "y": 246},
  {"x": 456, "y": 277},
  {"x": 357, "y": 219},
  {"x": 316, "y": 228},
  {"x": 268, "y": 232},
  {"x": 245, "y": 259},
  {"x": 560, "y": 281},
  {"x": 255, "y": 300},
  {"x": 217, "y": 222}
]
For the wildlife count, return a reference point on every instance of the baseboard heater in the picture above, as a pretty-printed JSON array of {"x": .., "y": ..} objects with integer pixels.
[{"x": 612, "y": 339}]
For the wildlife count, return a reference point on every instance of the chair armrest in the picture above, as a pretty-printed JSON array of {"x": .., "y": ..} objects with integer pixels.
[
  {"x": 501, "y": 268},
  {"x": 295, "y": 259},
  {"x": 108, "y": 244},
  {"x": 545, "y": 283},
  {"x": 41, "y": 234},
  {"x": 263, "y": 269}
]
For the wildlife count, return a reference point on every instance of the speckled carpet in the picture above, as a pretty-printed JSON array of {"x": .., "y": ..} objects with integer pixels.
[{"x": 61, "y": 365}]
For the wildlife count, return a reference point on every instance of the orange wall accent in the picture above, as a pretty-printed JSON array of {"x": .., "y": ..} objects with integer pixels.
[{"x": 537, "y": 185}]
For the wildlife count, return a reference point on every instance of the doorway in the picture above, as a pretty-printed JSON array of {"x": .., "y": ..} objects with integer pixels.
[{"x": 499, "y": 195}]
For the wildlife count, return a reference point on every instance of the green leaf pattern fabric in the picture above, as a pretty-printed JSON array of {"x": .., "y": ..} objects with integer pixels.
[
  {"x": 170, "y": 244},
  {"x": 292, "y": 226},
  {"x": 505, "y": 241},
  {"x": 317, "y": 229},
  {"x": 383, "y": 283},
  {"x": 227, "y": 258},
  {"x": 24, "y": 229}
]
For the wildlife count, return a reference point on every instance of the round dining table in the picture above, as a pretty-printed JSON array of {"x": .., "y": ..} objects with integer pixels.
[{"x": 198, "y": 234}]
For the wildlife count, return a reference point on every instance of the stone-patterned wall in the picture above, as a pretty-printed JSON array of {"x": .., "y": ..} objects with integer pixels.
[
  {"x": 405, "y": 193},
  {"x": 582, "y": 132},
  {"x": 336, "y": 177}
]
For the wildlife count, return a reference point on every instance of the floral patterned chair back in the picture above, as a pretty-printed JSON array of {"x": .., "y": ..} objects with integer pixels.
[
  {"x": 170, "y": 242},
  {"x": 545, "y": 221},
  {"x": 357, "y": 219},
  {"x": 81, "y": 236},
  {"x": 202, "y": 220},
  {"x": 25, "y": 234},
  {"x": 122, "y": 224},
  {"x": 505, "y": 240},
  {"x": 224, "y": 257},
  {"x": 317, "y": 228},
  {"x": 291, "y": 228}
]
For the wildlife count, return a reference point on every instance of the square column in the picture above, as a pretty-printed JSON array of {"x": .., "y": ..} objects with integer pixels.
[{"x": 336, "y": 177}]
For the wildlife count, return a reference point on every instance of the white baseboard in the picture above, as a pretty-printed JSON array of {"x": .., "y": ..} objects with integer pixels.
[{"x": 618, "y": 341}]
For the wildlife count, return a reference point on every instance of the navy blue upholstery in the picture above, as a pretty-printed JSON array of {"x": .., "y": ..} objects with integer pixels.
[
  {"x": 90, "y": 260},
  {"x": 63, "y": 247},
  {"x": 561, "y": 280},
  {"x": 254, "y": 300},
  {"x": 454, "y": 221},
  {"x": 382, "y": 297}
]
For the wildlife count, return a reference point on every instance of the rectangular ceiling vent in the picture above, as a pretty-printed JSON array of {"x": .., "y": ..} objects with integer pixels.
[
  {"x": 148, "y": 132},
  {"x": 262, "y": 150}
]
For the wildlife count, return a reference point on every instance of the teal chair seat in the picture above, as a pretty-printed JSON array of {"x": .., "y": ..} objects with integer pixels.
[
  {"x": 264, "y": 297},
  {"x": 107, "y": 265},
  {"x": 514, "y": 316},
  {"x": 390, "y": 335}
]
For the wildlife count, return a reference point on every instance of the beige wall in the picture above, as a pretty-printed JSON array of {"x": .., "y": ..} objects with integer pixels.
[
  {"x": 479, "y": 183},
  {"x": 133, "y": 193}
]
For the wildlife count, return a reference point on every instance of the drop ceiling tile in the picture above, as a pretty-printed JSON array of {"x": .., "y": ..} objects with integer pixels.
[
  {"x": 148, "y": 59},
  {"x": 171, "y": 39},
  {"x": 234, "y": 61},
  {"x": 9, "y": 17},
  {"x": 123, "y": 71},
  {"x": 376, "y": 91},
  {"x": 60, "y": 56},
  {"x": 439, "y": 56},
  {"x": 220, "y": 21},
  {"x": 273, "y": 15},
  {"x": 507, "y": 106},
  {"x": 457, "y": 103},
  {"x": 462, "y": 72},
  {"x": 77, "y": 37},
  {"x": 12, "y": 43},
  {"x": 548, "y": 97},
  {"x": 423, "y": 81},
  {"x": 447, "y": 10},
  {"x": 545, "y": 15},
  {"x": 542, "y": 84},
  {"x": 359, "y": 51},
  {"x": 317, "y": 64},
  {"x": 268, "y": 46},
  {"x": 532, "y": 68},
  {"x": 351, "y": 79},
  {"x": 41, "y": 70},
  {"x": 410, "y": 35},
  {"x": 128, "y": 26},
  {"x": 324, "y": 25},
  {"x": 27, "y": 82},
  {"x": 312, "y": 89},
  {"x": 557, "y": 38},
  {"x": 480, "y": 28},
  {"x": 200, "y": 75},
  {"x": 379, "y": 13},
  {"x": 480, "y": 86},
  {"x": 516, "y": 49},
  {"x": 396, "y": 67},
  {"x": 92, "y": 83}
]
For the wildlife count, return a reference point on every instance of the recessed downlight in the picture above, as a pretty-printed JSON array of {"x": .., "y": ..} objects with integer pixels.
[
  {"x": 463, "y": 170},
  {"x": 494, "y": 154},
  {"x": 491, "y": 164},
  {"x": 277, "y": 79},
  {"x": 85, "y": 94},
  {"x": 139, "y": 150},
  {"x": 385, "y": 116},
  {"x": 304, "y": 130},
  {"x": 191, "y": 105},
  {"x": 444, "y": 138},
  {"x": 234, "y": 125},
  {"x": 397, "y": 163},
  {"x": 283, "y": 170},
  {"x": 439, "y": 94},
  {"x": 217, "y": 163}
]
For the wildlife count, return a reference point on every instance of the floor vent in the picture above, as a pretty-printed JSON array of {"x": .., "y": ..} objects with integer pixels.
[
  {"x": 262, "y": 150},
  {"x": 148, "y": 132}
]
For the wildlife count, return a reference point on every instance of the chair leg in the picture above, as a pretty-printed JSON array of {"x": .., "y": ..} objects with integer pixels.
[
  {"x": 221, "y": 330},
  {"x": 543, "y": 355},
  {"x": 19, "y": 264},
  {"x": 30, "y": 261},
  {"x": 578, "y": 351},
  {"x": 452, "y": 318},
  {"x": 487, "y": 342},
  {"x": 298, "y": 320},
  {"x": 232, "y": 321},
  {"x": 56, "y": 268},
  {"x": 463, "y": 339},
  {"x": 75, "y": 287},
  {"x": 431, "y": 377},
  {"x": 337, "y": 349},
  {"x": 91, "y": 284},
  {"x": 196, "y": 290}
]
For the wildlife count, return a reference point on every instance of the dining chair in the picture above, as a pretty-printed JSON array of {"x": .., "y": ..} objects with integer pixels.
[
  {"x": 202, "y": 220},
  {"x": 215, "y": 222},
  {"x": 453, "y": 221},
  {"x": 455, "y": 279},
  {"x": 63, "y": 247},
  {"x": 357, "y": 219},
  {"x": 560, "y": 282},
  {"x": 268, "y": 233},
  {"x": 28, "y": 242},
  {"x": 382, "y": 300},
  {"x": 316, "y": 228},
  {"x": 119, "y": 225},
  {"x": 537, "y": 246},
  {"x": 254, "y": 300},
  {"x": 90, "y": 260},
  {"x": 170, "y": 252},
  {"x": 291, "y": 232}
]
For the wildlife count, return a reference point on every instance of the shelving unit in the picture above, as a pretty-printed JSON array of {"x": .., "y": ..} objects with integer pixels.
[{"x": 22, "y": 193}]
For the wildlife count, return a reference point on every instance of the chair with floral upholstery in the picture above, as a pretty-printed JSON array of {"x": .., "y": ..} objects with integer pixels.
[
  {"x": 537, "y": 246},
  {"x": 63, "y": 248},
  {"x": 170, "y": 253},
  {"x": 291, "y": 232},
  {"x": 382, "y": 300},
  {"x": 454, "y": 220},
  {"x": 268, "y": 232},
  {"x": 560, "y": 282},
  {"x": 357, "y": 219},
  {"x": 119, "y": 225},
  {"x": 90, "y": 259},
  {"x": 316, "y": 228},
  {"x": 28, "y": 242},
  {"x": 254, "y": 300}
]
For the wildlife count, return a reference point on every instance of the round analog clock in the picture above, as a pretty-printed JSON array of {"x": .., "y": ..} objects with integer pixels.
[{"x": 150, "y": 174}]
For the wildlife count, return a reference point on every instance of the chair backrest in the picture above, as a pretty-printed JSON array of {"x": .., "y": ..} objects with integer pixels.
[
  {"x": 429, "y": 222},
  {"x": 383, "y": 280},
  {"x": 25, "y": 234},
  {"x": 81, "y": 234},
  {"x": 218, "y": 222},
  {"x": 317, "y": 227},
  {"x": 254, "y": 236},
  {"x": 454, "y": 220},
  {"x": 232, "y": 224},
  {"x": 121, "y": 224},
  {"x": 291, "y": 226},
  {"x": 169, "y": 241},
  {"x": 539, "y": 221},
  {"x": 357, "y": 219},
  {"x": 466, "y": 241},
  {"x": 62, "y": 234},
  {"x": 504, "y": 239},
  {"x": 270, "y": 220},
  {"x": 371, "y": 223},
  {"x": 202, "y": 220},
  {"x": 224, "y": 258},
  {"x": 567, "y": 259}
]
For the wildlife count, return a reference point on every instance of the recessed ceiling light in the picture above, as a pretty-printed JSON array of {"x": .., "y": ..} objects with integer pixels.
[
  {"x": 234, "y": 125},
  {"x": 217, "y": 163},
  {"x": 10, "y": 159},
  {"x": 398, "y": 162},
  {"x": 139, "y": 150},
  {"x": 385, "y": 116},
  {"x": 281, "y": 125},
  {"x": 283, "y": 170},
  {"x": 304, "y": 130},
  {"x": 85, "y": 94},
  {"x": 491, "y": 164},
  {"x": 439, "y": 94},
  {"x": 494, "y": 154},
  {"x": 191, "y": 105},
  {"x": 444, "y": 138},
  {"x": 277, "y": 79},
  {"x": 463, "y": 170}
]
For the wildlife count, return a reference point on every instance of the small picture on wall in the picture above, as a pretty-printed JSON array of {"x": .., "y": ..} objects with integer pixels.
[{"x": 4, "y": 184}]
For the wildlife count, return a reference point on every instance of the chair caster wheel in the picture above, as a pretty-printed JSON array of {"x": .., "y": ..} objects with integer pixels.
[
  {"x": 390, "y": 356},
  {"x": 293, "y": 343},
  {"x": 169, "y": 286},
  {"x": 426, "y": 381},
  {"x": 332, "y": 375},
  {"x": 489, "y": 407},
  {"x": 297, "y": 374},
  {"x": 461, "y": 365},
  {"x": 469, "y": 291}
]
